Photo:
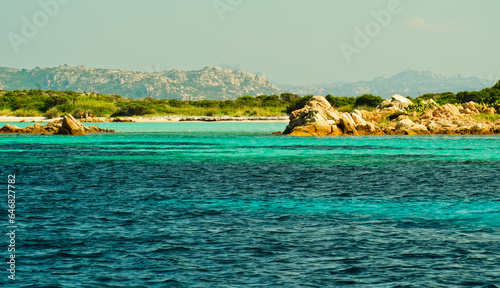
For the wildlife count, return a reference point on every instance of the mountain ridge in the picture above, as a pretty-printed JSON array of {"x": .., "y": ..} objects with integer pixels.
[
  {"x": 409, "y": 82},
  {"x": 215, "y": 83},
  {"x": 212, "y": 83}
]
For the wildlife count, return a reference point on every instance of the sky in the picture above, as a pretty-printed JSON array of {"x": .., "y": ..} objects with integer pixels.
[{"x": 296, "y": 42}]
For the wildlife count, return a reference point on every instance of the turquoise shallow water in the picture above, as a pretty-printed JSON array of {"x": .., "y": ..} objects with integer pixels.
[{"x": 229, "y": 205}]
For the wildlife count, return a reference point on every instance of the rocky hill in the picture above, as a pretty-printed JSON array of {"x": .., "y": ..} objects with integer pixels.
[
  {"x": 408, "y": 83},
  {"x": 211, "y": 83},
  {"x": 214, "y": 83}
]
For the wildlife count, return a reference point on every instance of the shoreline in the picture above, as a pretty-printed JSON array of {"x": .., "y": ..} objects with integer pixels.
[{"x": 157, "y": 119}]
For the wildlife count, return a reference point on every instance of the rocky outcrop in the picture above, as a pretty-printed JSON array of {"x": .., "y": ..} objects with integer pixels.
[
  {"x": 397, "y": 102},
  {"x": 408, "y": 127},
  {"x": 123, "y": 120},
  {"x": 70, "y": 126},
  {"x": 67, "y": 126},
  {"x": 318, "y": 118}
]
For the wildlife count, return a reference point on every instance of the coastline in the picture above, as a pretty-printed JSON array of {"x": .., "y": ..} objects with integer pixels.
[
  {"x": 393, "y": 117},
  {"x": 156, "y": 119}
]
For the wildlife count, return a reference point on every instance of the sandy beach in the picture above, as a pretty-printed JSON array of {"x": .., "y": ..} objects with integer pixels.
[
  {"x": 156, "y": 119},
  {"x": 25, "y": 119}
]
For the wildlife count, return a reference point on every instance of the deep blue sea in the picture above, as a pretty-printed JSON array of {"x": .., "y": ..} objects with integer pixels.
[{"x": 229, "y": 205}]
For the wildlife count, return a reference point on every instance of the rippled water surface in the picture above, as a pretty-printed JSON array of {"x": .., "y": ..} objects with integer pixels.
[{"x": 228, "y": 205}]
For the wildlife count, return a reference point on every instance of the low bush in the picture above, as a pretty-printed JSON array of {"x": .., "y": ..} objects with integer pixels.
[{"x": 53, "y": 113}]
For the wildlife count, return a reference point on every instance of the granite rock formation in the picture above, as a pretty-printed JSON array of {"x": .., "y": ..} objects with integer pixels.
[
  {"x": 67, "y": 126},
  {"x": 319, "y": 118}
]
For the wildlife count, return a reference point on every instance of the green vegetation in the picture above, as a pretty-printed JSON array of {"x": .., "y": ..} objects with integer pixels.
[
  {"x": 341, "y": 101},
  {"x": 56, "y": 103},
  {"x": 418, "y": 106},
  {"x": 368, "y": 100},
  {"x": 487, "y": 117},
  {"x": 487, "y": 96}
]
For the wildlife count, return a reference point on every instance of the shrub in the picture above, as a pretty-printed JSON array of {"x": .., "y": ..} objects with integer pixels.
[
  {"x": 298, "y": 103},
  {"x": 26, "y": 113},
  {"x": 131, "y": 109},
  {"x": 52, "y": 113},
  {"x": 347, "y": 108},
  {"x": 340, "y": 101},
  {"x": 368, "y": 100},
  {"x": 174, "y": 103},
  {"x": 289, "y": 97}
]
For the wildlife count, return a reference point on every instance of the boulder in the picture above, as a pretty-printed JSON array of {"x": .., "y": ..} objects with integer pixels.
[
  {"x": 385, "y": 104},
  {"x": 408, "y": 127},
  {"x": 470, "y": 105},
  {"x": 446, "y": 111},
  {"x": 71, "y": 127},
  {"x": 402, "y": 117},
  {"x": 124, "y": 120},
  {"x": 400, "y": 101},
  {"x": 317, "y": 118},
  {"x": 433, "y": 127},
  {"x": 358, "y": 120},
  {"x": 347, "y": 125},
  {"x": 356, "y": 111},
  {"x": 429, "y": 114},
  {"x": 396, "y": 101},
  {"x": 392, "y": 110},
  {"x": 482, "y": 129},
  {"x": 404, "y": 124},
  {"x": 496, "y": 128},
  {"x": 368, "y": 129},
  {"x": 489, "y": 111},
  {"x": 430, "y": 102}
]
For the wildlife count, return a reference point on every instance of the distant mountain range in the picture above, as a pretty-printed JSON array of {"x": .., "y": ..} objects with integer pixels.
[
  {"x": 408, "y": 83},
  {"x": 209, "y": 83},
  {"x": 214, "y": 83}
]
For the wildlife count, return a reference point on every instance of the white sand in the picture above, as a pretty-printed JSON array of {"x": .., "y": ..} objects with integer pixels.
[
  {"x": 159, "y": 119},
  {"x": 178, "y": 118},
  {"x": 26, "y": 119}
]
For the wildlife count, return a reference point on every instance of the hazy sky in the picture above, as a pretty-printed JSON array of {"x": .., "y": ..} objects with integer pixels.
[{"x": 290, "y": 41}]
